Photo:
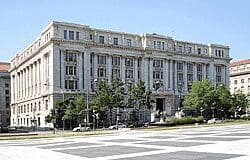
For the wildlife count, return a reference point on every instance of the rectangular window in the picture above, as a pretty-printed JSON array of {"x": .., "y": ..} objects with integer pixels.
[
  {"x": 77, "y": 35},
  {"x": 179, "y": 66},
  {"x": 116, "y": 61},
  {"x": 101, "y": 72},
  {"x": 189, "y": 49},
  {"x": 7, "y": 92},
  {"x": 154, "y": 44},
  {"x": 163, "y": 45},
  {"x": 158, "y": 63},
  {"x": 199, "y": 77},
  {"x": 199, "y": 50},
  {"x": 180, "y": 48},
  {"x": 235, "y": 81},
  {"x": 71, "y": 35},
  {"x": 90, "y": 37},
  {"x": 190, "y": 77},
  {"x": 199, "y": 67},
  {"x": 242, "y": 80},
  {"x": 190, "y": 67},
  {"x": 115, "y": 41},
  {"x": 158, "y": 45},
  {"x": 101, "y": 39},
  {"x": 180, "y": 77},
  {"x": 129, "y": 73},
  {"x": 6, "y": 85},
  {"x": 101, "y": 59},
  {"x": 116, "y": 73},
  {"x": 129, "y": 42},
  {"x": 129, "y": 62},
  {"x": 65, "y": 34}
]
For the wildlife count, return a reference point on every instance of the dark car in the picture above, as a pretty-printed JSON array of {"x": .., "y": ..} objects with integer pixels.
[{"x": 4, "y": 129}]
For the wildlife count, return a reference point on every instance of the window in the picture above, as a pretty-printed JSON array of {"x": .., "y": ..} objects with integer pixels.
[
  {"x": 115, "y": 41},
  {"x": 7, "y": 99},
  {"x": 190, "y": 77},
  {"x": 199, "y": 67},
  {"x": 189, "y": 49},
  {"x": 65, "y": 34},
  {"x": 101, "y": 72},
  {"x": 157, "y": 75},
  {"x": 189, "y": 67},
  {"x": 7, "y": 92},
  {"x": 180, "y": 77},
  {"x": 101, "y": 59},
  {"x": 129, "y": 42},
  {"x": 158, "y": 63},
  {"x": 39, "y": 106},
  {"x": 219, "y": 53},
  {"x": 222, "y": 53},
  {"x": 248, "y": 80},
  {"x": 101, "y": 39},
  {"x": 199, "y": 50},
  {"x": 129, "y": 73},
  {"x": 218, "y": 69},
  {"x": 163, "y": 45},
  {"x": 216, "y": 52},
  {"x": 70, "y": 57},
  {"x": 205, "y": 51},
  {"x": 46, "y": 104},
  {"x": 77, "y": 35},
  {"x": 116, "y": 73},
  {"x": 235, "y": 81},
  {"x": 158, "y": 45},
  {"x": 218, "y": 78},
  {"x": 180, "y": 48},
  {"x": 90, "y": 37},
  {"x": 6, "y": 85},
  {"x": 70, "y": 70},
  {"x": 242, "y": 80},
  {"x": 199, "y": 77},
  {"x": 179, "y": 66},
  {"x": 71, "y": 84},
  {"x": 71, "y": 35},
  {"x": 116, "y": 61},
  {"x": 129, "y": 62},
  {"x": 154, "y": 44}
]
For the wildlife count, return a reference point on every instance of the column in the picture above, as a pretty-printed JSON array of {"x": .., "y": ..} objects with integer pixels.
[
  {"x": 227, "y": 75},
  {"x": 80, "y": 71},
  {"x": 195, "y": 72},
  {"x": 87, "y": 66},
  {"x": 95, "y": 67},
  {"x": 165, "y": 74},
  {"x": 175, "y": 77},
  {"x": 109, "y": 68},
  {"x": 144, "y": 71},
  {"x": 123, "y": 69},
  {"x": 204, "y": 71},
  {"x": 136, "y": 69},
  {"x": 39, "y": 78},
  {"x": 185, "y": 77},
  {"x": 151, "y": 73},
  {"x": 211, "y": 73},
  {"x": 171, "y": 74},
  {"x": 223, "y": 80}
]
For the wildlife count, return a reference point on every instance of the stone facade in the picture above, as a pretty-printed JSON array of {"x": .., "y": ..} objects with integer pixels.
[
  {"x": 4, "y": 94},
  {"x": 67, "y": 58},
  {"x": 240, "y": 77}
]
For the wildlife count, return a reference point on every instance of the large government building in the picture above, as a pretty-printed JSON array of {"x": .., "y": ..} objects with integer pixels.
[{"x": 67, "y": 58}]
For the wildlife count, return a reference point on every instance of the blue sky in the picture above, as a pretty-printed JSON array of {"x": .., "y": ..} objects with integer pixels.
[{"x": 204, "y": 21}]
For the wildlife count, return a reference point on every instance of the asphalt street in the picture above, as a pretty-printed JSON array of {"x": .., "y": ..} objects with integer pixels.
[{"x": 209, "y": 143}]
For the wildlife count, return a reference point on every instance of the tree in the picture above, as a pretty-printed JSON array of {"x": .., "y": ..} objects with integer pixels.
[
  {"x": 238, "y": 104},
  {"x": 74, "y": 110},
  {"x": 223, "y": 100},
  {"x": 139, "y": 97},
  {"x": 57, "y": 113},
  {"x": 201, "y": 97}
]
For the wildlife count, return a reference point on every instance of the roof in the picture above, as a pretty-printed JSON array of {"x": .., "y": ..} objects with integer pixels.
[
  {"x": 4, "y": 66},
  {"x": 241, "y": 62}
]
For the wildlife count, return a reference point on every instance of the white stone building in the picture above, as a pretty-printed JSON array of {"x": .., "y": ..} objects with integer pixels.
[
  {"x": 4, "y": 94},
  {"x": 66, "y": 59},
  {"x": 240, "y": 77}
]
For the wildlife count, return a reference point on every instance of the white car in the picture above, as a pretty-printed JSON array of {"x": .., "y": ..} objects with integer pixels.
[
  {"x": 215, "y": 120},
  {"x": 120, "y": 125},
  {"x": 81, "y": 129}
]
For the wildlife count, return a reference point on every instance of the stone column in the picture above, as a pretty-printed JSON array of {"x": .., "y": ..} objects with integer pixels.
[
  {"x": 95, "y": 67},
  {"x": 185, "y": 88},
  {"x": 223, "y": 73},
  {"x": 171, "y": 74},
  {"x": 165, "y": 74},
  {"x": 109, "y": 68},
  {"x": 175, "y": 77},
  {"x": 212, "y": 72},
  {"x": 123, "y": 69},
  {"x": 135, "y": 69},
  {"x": 227, "y": 75},
  {"x": 195, "y": 72},
  {"x": 204, "y": 71},
  {"x": 63, "y": 67},
  {"x": 144, "y": 71},
  {"x": 151, "y": 81},
  {"x": 87, "y": 66},
  {"x": 80, "y": 70}
]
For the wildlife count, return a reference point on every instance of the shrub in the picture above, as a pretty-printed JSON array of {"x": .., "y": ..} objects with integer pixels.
[{"x": 187, "y": 120}]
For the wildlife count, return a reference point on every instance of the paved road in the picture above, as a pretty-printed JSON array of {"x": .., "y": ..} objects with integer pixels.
[{"x": 211, "y": 143}]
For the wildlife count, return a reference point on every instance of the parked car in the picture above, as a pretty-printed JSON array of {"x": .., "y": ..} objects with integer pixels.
[
  {"x": 81, "y": 129},
  {"x": 120, "y": 125},
  {"x": 215, "y": 120}
]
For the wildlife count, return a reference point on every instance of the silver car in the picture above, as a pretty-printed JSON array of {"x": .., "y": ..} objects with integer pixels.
[
  {"x": 81, "y": 129},
  {"x": 215, "y": 120}
]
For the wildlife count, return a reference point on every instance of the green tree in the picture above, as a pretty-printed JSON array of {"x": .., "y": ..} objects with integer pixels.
[
  {"x": 74, "y": 110},
  {"x": 139, "y": 97},
  {"x": 223, "y": 100},
  {"x": 239, "y": 104},
  {"x": 201, "y": 97}
]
